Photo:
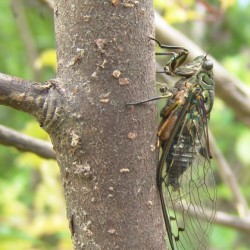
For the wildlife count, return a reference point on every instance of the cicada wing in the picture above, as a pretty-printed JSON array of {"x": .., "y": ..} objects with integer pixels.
[{"x": 188, "y": 185}]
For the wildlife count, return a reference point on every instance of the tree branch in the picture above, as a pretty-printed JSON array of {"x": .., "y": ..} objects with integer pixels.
[
  {"x": 234, "y": 93},
  {"x": 221, "y": 218},
  {"x": 22, "y": 94},
  {"x": 232, "y": 221},
  {"x": 26, "y": 143}
]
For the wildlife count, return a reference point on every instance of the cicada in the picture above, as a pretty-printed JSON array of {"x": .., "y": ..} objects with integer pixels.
[{"x": 184, "y": 174}]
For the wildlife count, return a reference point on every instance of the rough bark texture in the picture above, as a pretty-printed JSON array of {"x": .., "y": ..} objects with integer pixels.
[{"x": 106, "y": 151}]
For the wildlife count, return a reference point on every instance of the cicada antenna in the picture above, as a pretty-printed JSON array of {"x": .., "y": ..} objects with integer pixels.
[{"x": 208, "y": 51}]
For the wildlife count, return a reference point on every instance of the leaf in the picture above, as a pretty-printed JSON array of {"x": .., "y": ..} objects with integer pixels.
[{"x": 46, "y": 59}]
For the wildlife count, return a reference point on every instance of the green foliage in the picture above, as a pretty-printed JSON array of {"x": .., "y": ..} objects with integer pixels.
[{"x": 228, "y": 235}]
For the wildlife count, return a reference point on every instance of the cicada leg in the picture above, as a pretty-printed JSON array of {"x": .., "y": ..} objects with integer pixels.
[
  {"x": 175, "y": 58},
  {"x": 167, "y": 95}
]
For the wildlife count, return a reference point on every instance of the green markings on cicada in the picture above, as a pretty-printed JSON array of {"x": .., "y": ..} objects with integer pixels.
[{"x": 184, "y": 174}]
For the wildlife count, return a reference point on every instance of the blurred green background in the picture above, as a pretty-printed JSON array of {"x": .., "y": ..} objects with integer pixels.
[{"x": 32, "y": 209}]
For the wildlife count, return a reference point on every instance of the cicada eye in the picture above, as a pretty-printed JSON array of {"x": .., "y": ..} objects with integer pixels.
[
  {"x": 163, "y": 89},
  {"x": 208, "y": 65}
]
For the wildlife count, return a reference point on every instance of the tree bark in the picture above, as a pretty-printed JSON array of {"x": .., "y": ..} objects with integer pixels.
[
  {"x": 105, "y": 59},
  {"x": 105, "y": 149}
]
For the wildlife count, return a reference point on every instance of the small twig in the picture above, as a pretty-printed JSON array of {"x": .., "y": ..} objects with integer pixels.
[
  {"x": 50, "y": 3},
  {"x": 220, "y": 218},
  {"x": 26, "y": 143},
  {"x": 229, "y": 178},
  {"x": 24, "y": 95},
  {"x": 232, "y": 221}
]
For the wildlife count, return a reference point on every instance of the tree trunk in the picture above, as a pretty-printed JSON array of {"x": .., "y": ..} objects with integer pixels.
[{"x": 105, "y": 149}]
